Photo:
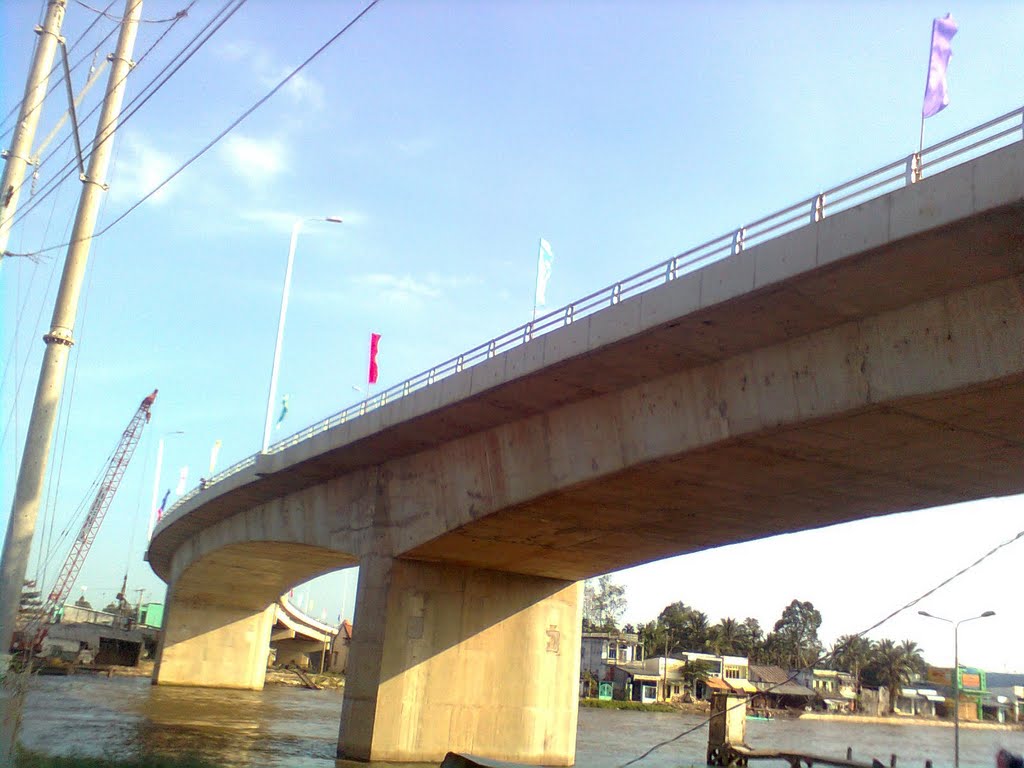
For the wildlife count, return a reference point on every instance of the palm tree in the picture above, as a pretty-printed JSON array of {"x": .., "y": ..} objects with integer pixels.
[
  {"x": 725, "y": 638},
  {"x": 914, "y": 658},
  {"x": 751, "y": 638},
  {"x": 852, "y": 653},
  {"x": 893, "y": 667},
  {"x": 695, "y": 630}
]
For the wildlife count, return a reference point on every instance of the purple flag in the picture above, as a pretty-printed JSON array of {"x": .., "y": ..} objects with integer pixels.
[{"x": 936, "y": 93}]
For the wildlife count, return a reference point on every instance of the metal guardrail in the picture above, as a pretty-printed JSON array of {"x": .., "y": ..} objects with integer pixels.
[{"x": 982, "y": 139}]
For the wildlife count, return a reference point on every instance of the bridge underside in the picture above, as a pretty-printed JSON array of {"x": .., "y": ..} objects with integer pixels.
[
  {"x": 898, "y": 457},
  {"x": 221, "y": 611},
  {"x": 869, "y": 364}
]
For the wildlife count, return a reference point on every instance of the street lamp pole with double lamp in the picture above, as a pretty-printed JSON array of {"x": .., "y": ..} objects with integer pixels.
[
  {"x": 280, "y": 322},
  {"x": 956, "y": 676}
]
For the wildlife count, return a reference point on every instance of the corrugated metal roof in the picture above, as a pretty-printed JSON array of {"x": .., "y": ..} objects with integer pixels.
[
  {"x": 786, "y": 689},
  {"x": 768, "y": 674}
]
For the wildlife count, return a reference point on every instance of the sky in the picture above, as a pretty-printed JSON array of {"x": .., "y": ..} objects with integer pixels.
[{"x": 450, "y": 137}]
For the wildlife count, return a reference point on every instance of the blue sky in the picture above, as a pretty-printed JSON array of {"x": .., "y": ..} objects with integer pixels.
[{"x": 450, "y": 136}]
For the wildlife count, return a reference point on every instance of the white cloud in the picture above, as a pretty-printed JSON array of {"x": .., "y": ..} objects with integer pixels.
[
  {"x": 140, "y": 168},
  {"x": 303, "y": 90},
  {"x": 407, "y": 289},
  {"x": 255, "y": 160},
  {"x": 415, "y": 147}
]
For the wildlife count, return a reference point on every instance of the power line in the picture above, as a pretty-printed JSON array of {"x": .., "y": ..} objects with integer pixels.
[
  {"x": 68, "y": 169},
  {"x": 14, "y": 110},
  {"x": 825, "y": 656},
  {"x": 213, "y": 142},
  {"x": 179, "y": 15}
]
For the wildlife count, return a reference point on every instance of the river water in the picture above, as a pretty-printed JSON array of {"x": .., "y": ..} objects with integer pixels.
[{"x": 283, "y": 727}]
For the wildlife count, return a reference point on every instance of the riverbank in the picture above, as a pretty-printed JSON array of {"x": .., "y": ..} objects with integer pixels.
[
  {"x": 27, "y": 759},
  {"x": 907, "y": 720},
  {"x": 275, "y": 676}
]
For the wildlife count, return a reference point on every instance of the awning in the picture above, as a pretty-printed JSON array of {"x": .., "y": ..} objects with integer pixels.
[
  {"x": 718, "y": 684},
  {"x": 743, "y": 686},
  {"x": 935, "y": 697}
]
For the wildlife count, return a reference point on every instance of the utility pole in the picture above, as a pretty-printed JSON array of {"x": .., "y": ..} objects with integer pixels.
[
  {"x": 31, "y": 475},
  {"x": 18, "y": 156}
]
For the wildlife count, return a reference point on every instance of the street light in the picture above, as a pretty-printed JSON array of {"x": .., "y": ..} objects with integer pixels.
[
  {"x": 156, "y": 480},
  {"x": 280, "y": 323},
  {"x": 956, "y": 676}
]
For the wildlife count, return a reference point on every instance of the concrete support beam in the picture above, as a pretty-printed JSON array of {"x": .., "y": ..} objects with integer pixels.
[
  {"x": 446, "y": 658},
  {"x": 212, "y": 645}
]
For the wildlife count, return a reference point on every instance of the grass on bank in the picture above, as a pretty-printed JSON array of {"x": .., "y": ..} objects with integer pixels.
[
  {"x": 28, "y": 759},
  {"x": 636, "y": 705}
]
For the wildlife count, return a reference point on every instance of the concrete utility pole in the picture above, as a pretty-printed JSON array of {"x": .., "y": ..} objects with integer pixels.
[
  {"x": 28, "y": 492},
  {"x": 18, "y": 156}
]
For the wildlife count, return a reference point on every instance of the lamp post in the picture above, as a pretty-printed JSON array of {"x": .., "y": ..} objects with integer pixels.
[
  {"x": 156, "y": 481},
  {"x": 280, "y": 322},
  {"x": 956, "y": 675}
]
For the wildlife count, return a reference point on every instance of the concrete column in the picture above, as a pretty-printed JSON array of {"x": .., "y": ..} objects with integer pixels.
[
  {"x": 211, "y": 645},
  {"x": 447, "y": 658}
]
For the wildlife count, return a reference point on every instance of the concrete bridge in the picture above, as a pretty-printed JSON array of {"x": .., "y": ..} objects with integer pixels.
[
  {"x": 294, "y": 635},
  {"x": 866, "y": 363}
]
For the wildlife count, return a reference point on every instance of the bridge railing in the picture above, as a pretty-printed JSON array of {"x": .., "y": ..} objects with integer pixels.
[{"x": 987, "y": 137}]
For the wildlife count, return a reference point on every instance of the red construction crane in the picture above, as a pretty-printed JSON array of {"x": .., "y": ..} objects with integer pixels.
[{"x": 108, "y": 487}]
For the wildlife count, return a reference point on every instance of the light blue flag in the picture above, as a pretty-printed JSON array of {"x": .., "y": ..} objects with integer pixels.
[
  {"x": 544, "y": 259},
  {"x": 284, "y": 412}
]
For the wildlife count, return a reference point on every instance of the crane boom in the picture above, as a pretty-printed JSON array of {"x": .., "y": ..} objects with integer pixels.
[{"x": 98, "y": 509}]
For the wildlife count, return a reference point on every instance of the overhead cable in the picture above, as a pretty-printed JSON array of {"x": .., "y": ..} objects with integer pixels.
[
  {"x": 213, "y": 142},
  {"x": 14, "y": 110},
  {"x": 826, "y": 656},
  {"x": 132, "y": 106}
]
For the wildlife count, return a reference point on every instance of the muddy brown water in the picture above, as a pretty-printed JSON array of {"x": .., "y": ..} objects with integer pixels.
[{"x": 283, "y": 727}]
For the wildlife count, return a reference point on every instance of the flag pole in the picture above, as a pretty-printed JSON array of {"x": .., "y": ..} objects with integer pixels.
[
  {"x": 920, "y": 151},
  {"x": 536, "y": 282}
]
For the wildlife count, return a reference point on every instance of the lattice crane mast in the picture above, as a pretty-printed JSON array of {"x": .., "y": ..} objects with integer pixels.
[{"x": 98, "y": 509}]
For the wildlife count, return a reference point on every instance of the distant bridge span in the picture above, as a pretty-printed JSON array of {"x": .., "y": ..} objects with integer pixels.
[{"x": 868, "y": 363}]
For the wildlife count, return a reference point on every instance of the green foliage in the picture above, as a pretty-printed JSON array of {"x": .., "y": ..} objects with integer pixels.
[
  {"x": 636, "y": 705},
  {"x": 603, "y": 604},
  {"x": 726, "y": 637},
  {"x": 851, "y": 653},
  {"x": 27, "y": 759},
  {"x": 693, "y": 672},
  {"x": 794, "y": 643},
  {"x": 893, "y": 666}
]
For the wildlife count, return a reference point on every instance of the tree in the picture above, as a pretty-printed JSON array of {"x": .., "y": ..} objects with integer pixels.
[
  {"x": 796, "y": 635},
  {"x": 852, "y": 653},
  {"x": 696, "y": 631},
  {"x": 893, "y": 666},
  {"x": 726, "y": 637},
  {"x": 687, "y": 627},
  {"x": 914, "y": 658},
  {"x": 694, "y": 671},
  {"x": 751, "y": 639},
  {"x": 603, "y": 604},
  {"x": 653, "y": 637}
]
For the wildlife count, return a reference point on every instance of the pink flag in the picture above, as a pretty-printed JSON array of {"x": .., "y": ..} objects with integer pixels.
[
  {"x": 374, "y": 342},
  {"x": 936, "y": 93}
]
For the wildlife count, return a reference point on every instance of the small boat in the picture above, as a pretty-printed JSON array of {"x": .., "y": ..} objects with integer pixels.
[{"x": 763, "y": 716}]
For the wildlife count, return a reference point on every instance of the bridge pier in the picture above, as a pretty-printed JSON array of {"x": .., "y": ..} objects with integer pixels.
[
  {"x": 213, "y": 645},
  {"x": 449, "y": 658}
]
